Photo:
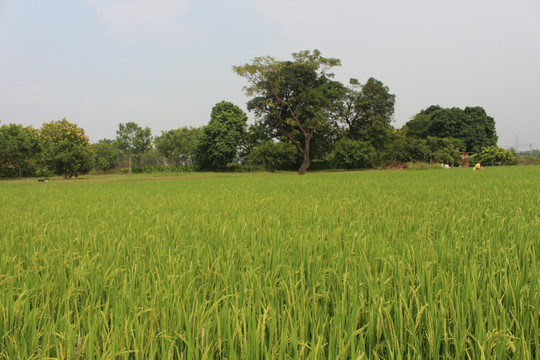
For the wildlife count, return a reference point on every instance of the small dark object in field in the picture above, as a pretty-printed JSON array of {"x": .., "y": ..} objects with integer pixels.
[{"x": 42, "y": 180}]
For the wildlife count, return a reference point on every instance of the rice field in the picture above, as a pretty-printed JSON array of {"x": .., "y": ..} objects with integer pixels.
[{"x": 434, "y": 264}]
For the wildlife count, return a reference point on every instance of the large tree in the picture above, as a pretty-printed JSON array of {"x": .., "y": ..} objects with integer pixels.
[
  {"x": 65, "y": 148},
  {"x": 295, "y": 98},
  {"x": 479, "y": 131},
  {"x": 177, "y": 145},
  {"x": 18, "y": 146},
  {"x": 218, "y": 142},
  {"x": 132, "y": 139},
  {"x": 367, "y": 110},
  {"x": 472, "y": 125}
]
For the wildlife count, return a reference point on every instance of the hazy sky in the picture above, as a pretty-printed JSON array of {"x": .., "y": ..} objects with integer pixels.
[{"x": 165, "y": 63}]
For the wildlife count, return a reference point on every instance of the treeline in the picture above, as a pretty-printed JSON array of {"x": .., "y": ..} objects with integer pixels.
[{"x": 304, "y": 119}]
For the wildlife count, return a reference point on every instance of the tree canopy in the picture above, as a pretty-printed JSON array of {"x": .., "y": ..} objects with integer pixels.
[
  {"x": 293, "y": 98},
  {"x": 18, "y": 146},
  {"x": 132, "y": 139},
  {"x": 367, "y": 110},
  {"x": 65, "y": 149},
  {"x": 106, "y": 154},
  {"x": 218, "y": 142},
  {"x": 472, "y": 125},
  {"x": 177, "y": 145}
]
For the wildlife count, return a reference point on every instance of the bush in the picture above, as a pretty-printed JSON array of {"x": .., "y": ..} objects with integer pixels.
[
  {"x": 353, "y": 154},
  {"x": 444, "y": 150},
  {"x": 447, "y": 156},
  {"x": 494, "y": 155},
  {"x": 273, "y": 155}
]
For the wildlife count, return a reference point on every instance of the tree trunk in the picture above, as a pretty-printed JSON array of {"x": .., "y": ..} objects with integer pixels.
[
  {"x": 20, "y": 172},
  {"x": 129, "y": 164},
  {"x": 305, "y": 165},
  {"x": 306, "y": 162}
]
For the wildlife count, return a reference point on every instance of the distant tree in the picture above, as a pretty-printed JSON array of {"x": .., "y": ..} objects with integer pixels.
[
  {"x": 106, "y": 154},
  {"x": 274, "y": 155},
  {"x": 529, "y": 153},
  {"x": 18, "y": 146},
  {"x": 178, "y": 145},
  {"x": 472, "y": 125},
  {"x": 295, "y": 98},
  {"x": 133, "y": 140},
  {"x": 367, "y": 110},
  {"x": 218, "y": 142},
  {"x": 65, "y": 148}
]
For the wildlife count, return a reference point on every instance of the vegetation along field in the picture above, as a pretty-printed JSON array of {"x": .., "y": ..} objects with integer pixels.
[{"x": 370, "y": 265}]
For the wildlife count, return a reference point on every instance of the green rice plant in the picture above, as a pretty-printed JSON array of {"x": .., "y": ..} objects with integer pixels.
[{"x": 363, "y": 265}]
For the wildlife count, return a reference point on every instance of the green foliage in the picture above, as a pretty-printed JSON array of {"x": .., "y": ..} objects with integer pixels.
[
  {"x": 353, "y": 154},
  {"x": 218, "y": 142},
  {"x": 368, "y": 110},
  {"x": 443, "y": 150},
  {"x": 447, "y": 156},
  {"x": 65, "y": 149},
  {"x": 274, "y": 155},
  {"x": 402, "y": 149},
  {"x": 132, "y": 139},
  {"x": 418, "y": 126},
  {"x": 474, "y": 159},
  {"x": 479, "y": 130},
  {"x": 472, "y": 125},
  {"x": 494, "y": 155},
  {"x": 254, "y": 136},
  {"x": 18, "y": 149},
  {"x": 418, "y": 149},
  {"x": 295, "y": 98},
  {"x": 178, "y": 145},
  {"x": 106, "y": 154}
]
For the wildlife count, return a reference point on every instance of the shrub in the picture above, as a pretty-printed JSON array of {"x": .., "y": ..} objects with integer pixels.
[
  {"x": 447, "y": 156},
  {"x": 273, "y": 155},
  {"x": 494, "y": 155},
  {"x": 353, "y": 154}
]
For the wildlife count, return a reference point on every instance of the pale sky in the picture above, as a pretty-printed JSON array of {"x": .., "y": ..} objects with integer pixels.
[{"x": 165, "y": 63}]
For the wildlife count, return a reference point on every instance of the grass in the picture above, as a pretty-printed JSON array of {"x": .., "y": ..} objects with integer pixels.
[{"x": 373, "y": 265}]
